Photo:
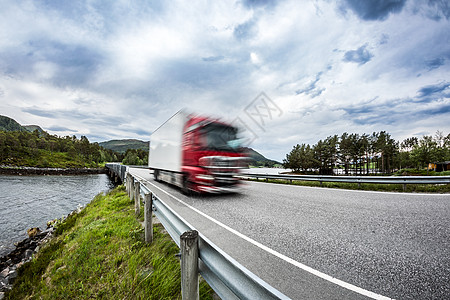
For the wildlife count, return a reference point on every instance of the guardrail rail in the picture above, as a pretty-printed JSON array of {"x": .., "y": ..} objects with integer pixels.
[{"x": 356, "y": 179}]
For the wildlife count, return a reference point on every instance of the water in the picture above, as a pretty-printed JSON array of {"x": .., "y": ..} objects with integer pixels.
[{"x": 31, "y": 201}]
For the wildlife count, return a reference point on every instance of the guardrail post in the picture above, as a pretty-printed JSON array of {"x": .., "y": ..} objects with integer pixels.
[
  {"x": 128, "y": 184},
  {"x": 148, "y": 220},
  {"x": 189, "y": 265},
  {"x": 137, "y": 198},
  {"x": 131, "y": 187},
  {"x": 404, "y": 187}
]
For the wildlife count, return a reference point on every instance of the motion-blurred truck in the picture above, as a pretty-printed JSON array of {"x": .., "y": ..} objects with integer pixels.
[{"x": 197, "y": 153}]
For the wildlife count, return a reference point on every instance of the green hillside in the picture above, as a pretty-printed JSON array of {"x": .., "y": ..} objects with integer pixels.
[
  {"x": 259, "y": 160},
  {"x": 8, "y": 124},
  {"x": 121, "y": 146},
  {"x": 32, "y": 128},
  {"x": 30, "y": 146}
]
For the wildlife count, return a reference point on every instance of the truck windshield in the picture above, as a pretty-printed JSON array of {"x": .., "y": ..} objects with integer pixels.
[{"x": 220, "y": 137}]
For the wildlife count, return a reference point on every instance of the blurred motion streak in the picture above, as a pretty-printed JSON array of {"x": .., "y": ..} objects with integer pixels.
[{"x": 197, "y": 153}]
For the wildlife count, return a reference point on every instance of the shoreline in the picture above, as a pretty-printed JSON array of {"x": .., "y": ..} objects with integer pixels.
[
  {"x": 21, "y": 171},
  {"x": 107, "y": 231},
  {"x": 25, "y": 250}
]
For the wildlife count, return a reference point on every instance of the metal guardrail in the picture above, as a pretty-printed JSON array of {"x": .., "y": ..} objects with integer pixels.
[
  {"x": 119, "y": 169},
  {"x": 356, "y": 179},
  {"x": 227, "y": 277}
]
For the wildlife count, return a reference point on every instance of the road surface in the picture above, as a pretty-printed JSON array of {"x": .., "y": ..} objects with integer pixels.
[{"x": 319, "y": 243}]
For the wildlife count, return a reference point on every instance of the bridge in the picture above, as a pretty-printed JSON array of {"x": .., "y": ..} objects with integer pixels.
[{"x": 318, "y": 243}]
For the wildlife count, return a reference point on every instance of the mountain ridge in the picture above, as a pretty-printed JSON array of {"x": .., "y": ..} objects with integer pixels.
[{"x": 9, "y": 124}]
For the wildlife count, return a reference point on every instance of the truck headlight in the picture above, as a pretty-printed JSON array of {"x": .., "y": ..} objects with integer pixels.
[
  {"x": 204, "y": 162},
  {"x": 205, "y": 177}
]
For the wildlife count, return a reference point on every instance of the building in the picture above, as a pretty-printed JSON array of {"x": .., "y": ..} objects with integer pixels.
[{"x": 439, "y": 166}]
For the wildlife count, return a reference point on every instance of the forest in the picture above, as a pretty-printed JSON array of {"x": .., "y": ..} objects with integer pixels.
[
  {"x": 376, "y": 153},
  {"x": 40, "y": 149}
]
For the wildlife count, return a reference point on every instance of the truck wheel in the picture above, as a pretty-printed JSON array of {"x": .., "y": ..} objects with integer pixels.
[
  {"x": 156, "y": 175},
  {"x": 185, "y": 188}
]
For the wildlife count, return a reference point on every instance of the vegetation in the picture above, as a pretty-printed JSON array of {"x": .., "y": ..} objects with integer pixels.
[
  {"x": 101, "y": 253},
  {"x": 23, "y": 148},
  {"x": 135, "y": 157},
  {"x": 259, "y": 160},
  {"x": 121, "y": 146},
  {"x": 30, "y": 146},
  {"x": 8, "y": 124},
  {"x": 367, "y": 153}
]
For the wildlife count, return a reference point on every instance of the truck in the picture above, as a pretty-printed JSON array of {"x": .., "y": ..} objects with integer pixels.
[{"x": 197, "y": 153}]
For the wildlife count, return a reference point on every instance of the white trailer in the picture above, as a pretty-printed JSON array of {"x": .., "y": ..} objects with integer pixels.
[{"x": 165, "y": 151}]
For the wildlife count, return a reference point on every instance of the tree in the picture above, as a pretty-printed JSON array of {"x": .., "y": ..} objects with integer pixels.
[
  {"x": 345, "y": 151},
  {"x": 135, "y": 157},
  {"x": 387, "y": 147},
  {"x": 300, "y": 158},
  {"x": 325, "y": 155}
]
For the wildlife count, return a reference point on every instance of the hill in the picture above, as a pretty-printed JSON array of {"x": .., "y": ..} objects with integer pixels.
[
  {"x": 8, "y": 124},
  {"x": 32, "y": 128},
  {"x": 121, "y": 146},
  {"x": 21, "y": 147},
  {"x": 260, "y": 160}
]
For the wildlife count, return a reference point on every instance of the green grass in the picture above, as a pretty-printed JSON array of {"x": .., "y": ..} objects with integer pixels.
[
  {"x": 410, "y": 188},
  {"x": 101, "y": 253},
  {"x": 422, "y": 172}
]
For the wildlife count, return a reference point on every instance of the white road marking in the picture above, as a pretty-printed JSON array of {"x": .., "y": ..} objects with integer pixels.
[{"x": 324, "y": 276}]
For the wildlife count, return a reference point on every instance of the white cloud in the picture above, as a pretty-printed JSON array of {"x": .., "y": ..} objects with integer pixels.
[{"x": 327, "y": 64}]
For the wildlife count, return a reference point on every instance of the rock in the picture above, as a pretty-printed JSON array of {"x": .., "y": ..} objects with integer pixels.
[
  {"x": 3, "y": 284},
  {"x": 4, "y": 273},
  {"x": 12, "y": 276},
  {"x": 10, "y": 263},
  {"x": 2, "y": 295},
  {"x": 33, "y": 231},
  {"x": 47, "y": 231},
  {"x": 28, "y": 254}
]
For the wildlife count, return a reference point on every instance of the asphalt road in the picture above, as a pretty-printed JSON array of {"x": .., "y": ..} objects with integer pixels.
[{"x": 390, "y": 244}]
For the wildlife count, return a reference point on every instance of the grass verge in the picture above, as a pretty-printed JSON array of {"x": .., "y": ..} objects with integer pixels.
[
  {"x": 410, "y": 188},
  {"x": 101, "y": 253}
]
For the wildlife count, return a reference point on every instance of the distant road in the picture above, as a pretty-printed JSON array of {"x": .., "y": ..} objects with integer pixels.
[{"x": 318, "y": 243}]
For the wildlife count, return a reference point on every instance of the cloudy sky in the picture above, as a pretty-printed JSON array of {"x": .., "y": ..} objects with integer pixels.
[{"x": 288, "y": 71}]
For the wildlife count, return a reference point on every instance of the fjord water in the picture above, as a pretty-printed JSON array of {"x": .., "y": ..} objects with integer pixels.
[{"x": 31, "y": 201}]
